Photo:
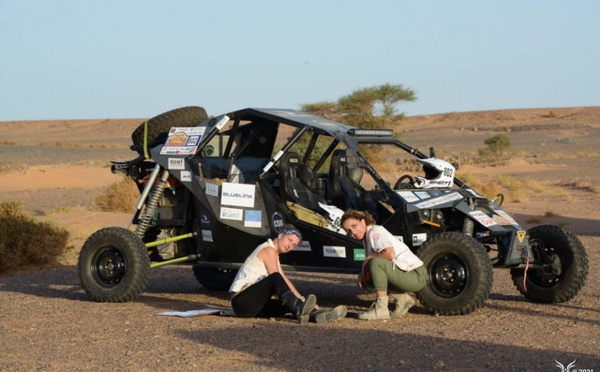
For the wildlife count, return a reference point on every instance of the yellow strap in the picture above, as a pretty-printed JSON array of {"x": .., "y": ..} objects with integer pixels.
[{"x": 146, "y": 140}]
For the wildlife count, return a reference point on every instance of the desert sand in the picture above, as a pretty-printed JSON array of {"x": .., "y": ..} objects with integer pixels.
[{"x": 57, "y": 168}]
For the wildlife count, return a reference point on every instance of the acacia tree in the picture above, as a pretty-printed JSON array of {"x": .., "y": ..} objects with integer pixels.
[
  {"x": 328, "y": 110},
  {"x": 372, "y": 107}
]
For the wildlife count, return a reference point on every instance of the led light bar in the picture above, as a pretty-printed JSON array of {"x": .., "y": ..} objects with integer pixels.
[{"x": 371, "y": 132}]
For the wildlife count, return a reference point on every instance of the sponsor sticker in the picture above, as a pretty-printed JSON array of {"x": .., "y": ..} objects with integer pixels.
[
  {"x": 277, "y": 221},
  {"x": 231, "y": 214},
  {"x": 419, "y": 239},
  {"x": 212, "y": 189},
  {"x": 474, "y": 193},
  {"x": 182, "y": 141},
  {"x": 507, "y": 217},
  {"x": 207, "y": 236},
  {"x": 334, "y": 251},
  {"x": 176, "y": 163},
  {"x": 500, "y": 220},
  {"x": 439, "y": 200},
  {"x": 238, "y": 194},
  {"x": 186, "y": 176},
  {"x": 359, "y": 254},
  {"x": 521, "y": 235},
  {"x": 222, "y": 122},
  {"x": 252, "y": 218},
  {"x": 408, "y": 196},
  {"x": 204, "y": 219},
  {"x": 483, "y": 218},
  {"x": 422, "y": 194}
]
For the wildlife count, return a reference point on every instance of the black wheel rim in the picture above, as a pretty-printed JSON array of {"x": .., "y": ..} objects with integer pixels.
[
  {"x": 109, "y": 267},
  {"x": 448, "y": 275},
  {"x": 548, "y": 276}
]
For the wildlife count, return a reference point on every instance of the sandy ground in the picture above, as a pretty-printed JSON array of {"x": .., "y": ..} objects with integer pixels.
[{"x": 57, "y": 168}]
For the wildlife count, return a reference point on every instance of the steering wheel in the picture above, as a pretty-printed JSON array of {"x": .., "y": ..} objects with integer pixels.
[{"x": 400, "y": 185}]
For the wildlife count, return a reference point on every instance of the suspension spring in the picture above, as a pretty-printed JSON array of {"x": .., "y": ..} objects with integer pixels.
[
  {"x": 468, "y": 226},
  {"x": 153, "y": 199}
]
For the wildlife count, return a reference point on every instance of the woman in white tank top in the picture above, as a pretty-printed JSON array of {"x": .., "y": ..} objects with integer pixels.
[{"x": 261, "y": 277}]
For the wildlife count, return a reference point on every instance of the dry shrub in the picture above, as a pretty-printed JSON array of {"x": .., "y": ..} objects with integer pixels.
[
  {"x": 585, "y": 186},
  {"x": 487, "y": 189},
  {"x": 120, "y": 196},
  {"x": 572, "y": 155},
  {"x": 407, "y": 165},
  {"x": 517, "y": 190},
  {"x": 25, "y": 242},
  {"x": 510, "y": 182}
]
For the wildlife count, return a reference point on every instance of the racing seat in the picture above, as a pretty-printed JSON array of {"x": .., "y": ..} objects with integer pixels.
[
  {"x": 296, "y": 179},
  {"x": 345, "y": 175}
]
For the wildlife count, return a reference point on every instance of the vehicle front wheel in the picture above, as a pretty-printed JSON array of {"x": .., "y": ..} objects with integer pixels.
[
  {"x": 460, "y": 274},
  {"x": 565, "y": 273},
  {"x": 113, "y": 265}
]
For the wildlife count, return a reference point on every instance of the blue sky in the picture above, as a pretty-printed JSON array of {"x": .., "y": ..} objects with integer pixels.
[{"x": 77, "y": 59}]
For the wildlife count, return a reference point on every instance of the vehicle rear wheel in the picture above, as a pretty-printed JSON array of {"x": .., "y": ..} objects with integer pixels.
[
  {"x": 566, "y": 273},
  {"x": 214, "y": 279},
  {"x": 157, "y": 129},
  {"x": 460, "y": 274},
  {"x": 113, "y": 265}
]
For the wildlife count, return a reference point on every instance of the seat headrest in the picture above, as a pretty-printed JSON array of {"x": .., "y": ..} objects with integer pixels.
[
  {"x": 293, "y": 167},
  {"x": 338, "y": 163},
  {"x": 352, "y": 159},
  {"x": 291, "y": 158}
]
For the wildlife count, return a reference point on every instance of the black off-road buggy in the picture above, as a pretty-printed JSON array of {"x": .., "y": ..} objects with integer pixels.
[{"x": 213, "y": 189}]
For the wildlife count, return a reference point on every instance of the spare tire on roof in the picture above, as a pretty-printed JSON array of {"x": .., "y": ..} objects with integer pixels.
[{"x": 155, "y": 131}]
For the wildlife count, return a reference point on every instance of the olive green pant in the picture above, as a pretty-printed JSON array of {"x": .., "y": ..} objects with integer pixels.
[{"x": 383, "y": 271}]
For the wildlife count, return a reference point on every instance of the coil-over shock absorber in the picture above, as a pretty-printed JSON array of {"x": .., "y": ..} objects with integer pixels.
[
  {"x": 469, "y": 224},
  {"x": 154, "y": 196}
]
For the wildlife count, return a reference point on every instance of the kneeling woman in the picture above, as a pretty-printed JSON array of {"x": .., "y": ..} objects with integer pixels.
[
  {"x": 387, "y": 260},
  {"x": 261, "y": 277}
]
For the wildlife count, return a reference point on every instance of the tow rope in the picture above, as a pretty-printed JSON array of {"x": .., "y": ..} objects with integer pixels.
[{"x": 525, "y": 274}]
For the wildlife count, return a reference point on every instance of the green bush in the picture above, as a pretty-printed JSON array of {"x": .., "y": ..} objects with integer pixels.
[
  {"x": 497, "y": 144},
  {"x": 25, "y": 242}
]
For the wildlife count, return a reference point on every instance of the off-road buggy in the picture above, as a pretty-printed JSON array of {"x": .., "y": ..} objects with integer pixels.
[{"x": 213, "y": 189}]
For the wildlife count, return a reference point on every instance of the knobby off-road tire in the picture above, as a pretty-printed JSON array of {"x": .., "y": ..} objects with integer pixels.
[
  {"x": 113, "y": 265},
  {"x": 460, "y": 274},
  {"x": 546, "y": 286},
  {"x": 158, "y": 127},
  {"x": 214, "y": 279}
]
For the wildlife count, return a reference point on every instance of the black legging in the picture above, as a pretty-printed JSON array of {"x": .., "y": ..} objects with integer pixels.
[{"x": 256, "y": 302}]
